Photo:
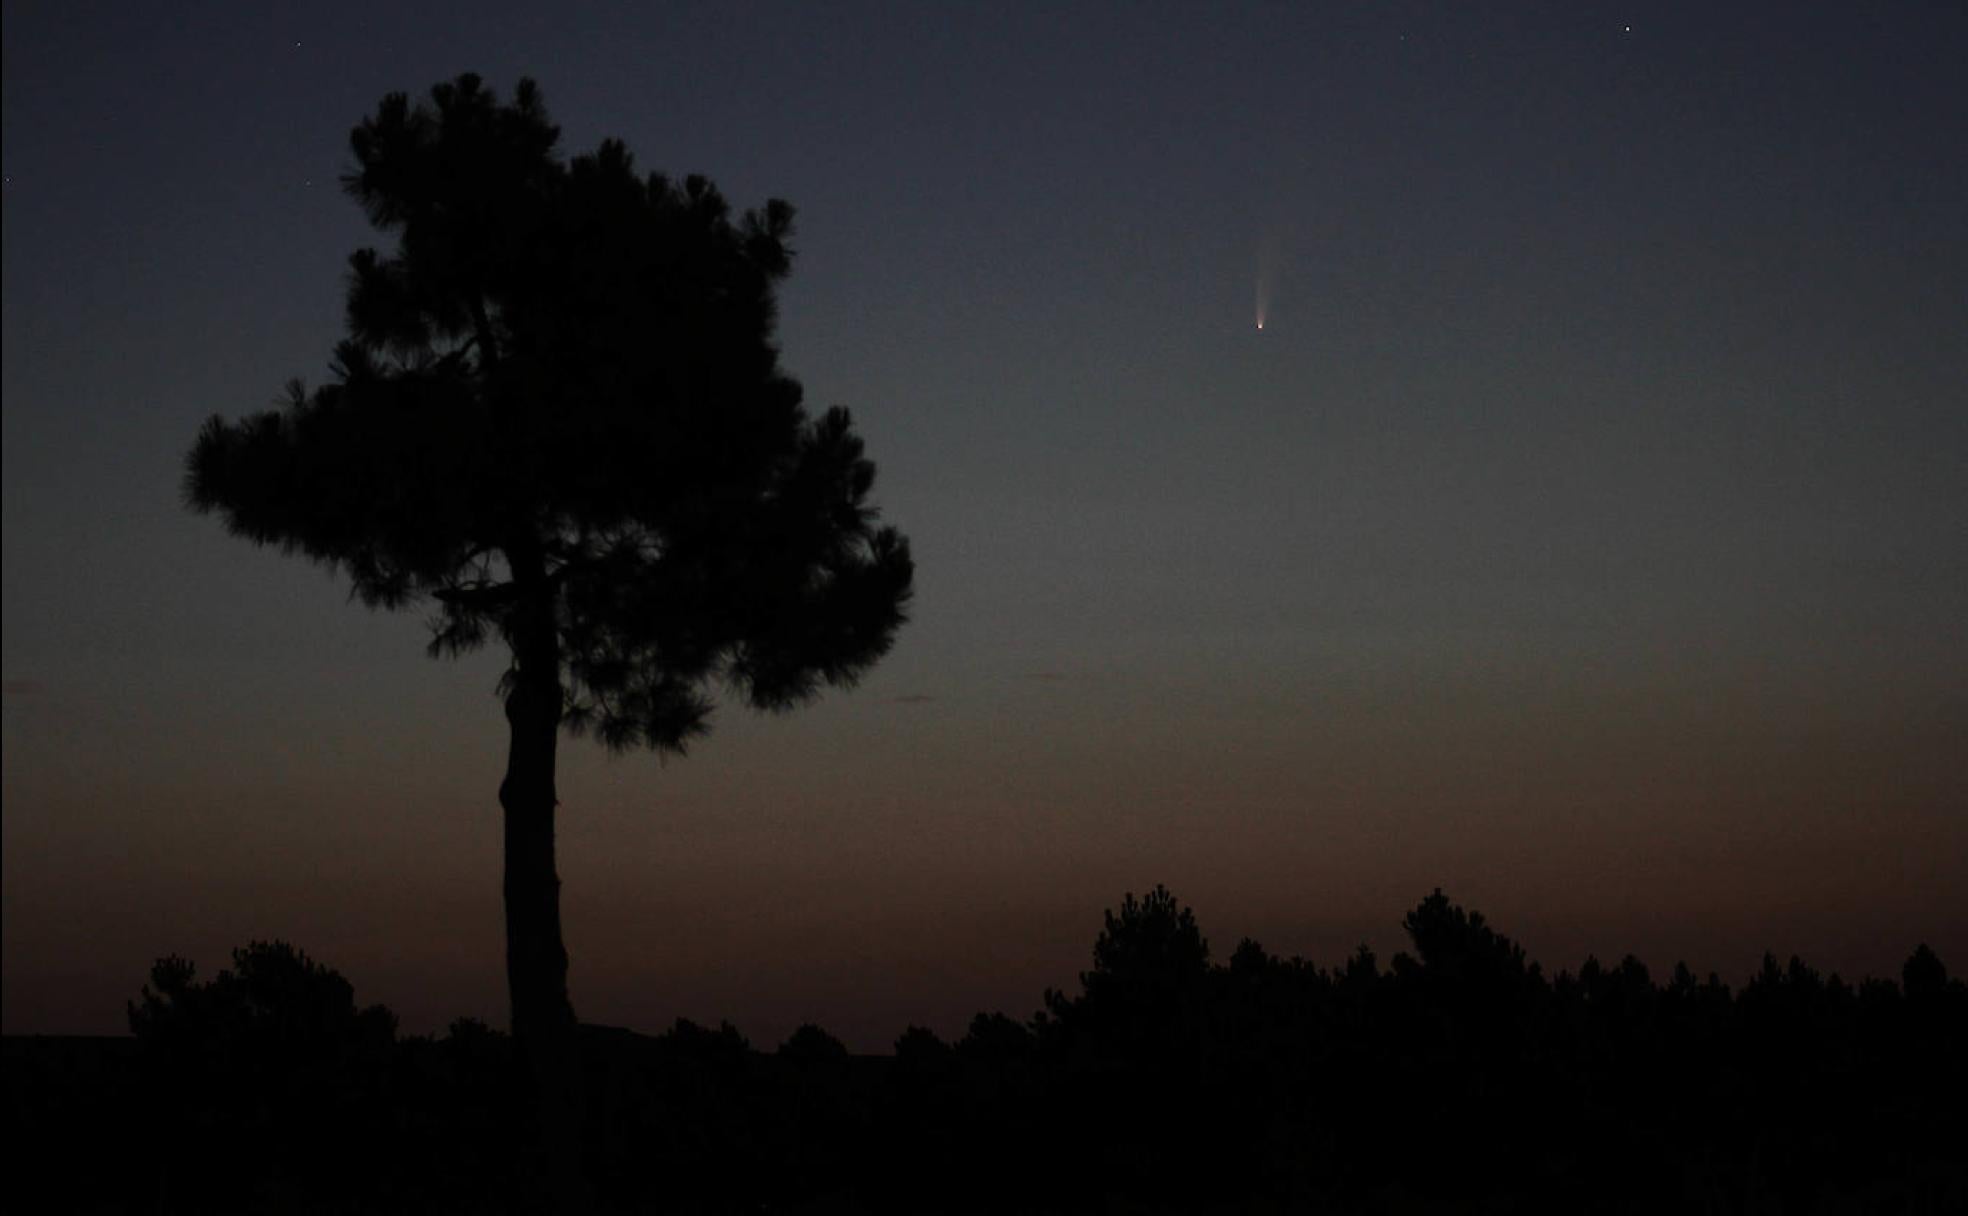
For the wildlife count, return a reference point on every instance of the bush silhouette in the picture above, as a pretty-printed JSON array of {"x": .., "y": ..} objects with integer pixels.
[{"x": 273, "y": 1060}]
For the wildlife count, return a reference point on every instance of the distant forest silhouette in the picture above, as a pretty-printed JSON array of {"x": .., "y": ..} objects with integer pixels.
[{"x": 1460, "y": 1077}]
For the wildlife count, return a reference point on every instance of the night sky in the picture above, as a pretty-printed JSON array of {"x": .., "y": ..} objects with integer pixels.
[{"x": 1585, "y": 533}]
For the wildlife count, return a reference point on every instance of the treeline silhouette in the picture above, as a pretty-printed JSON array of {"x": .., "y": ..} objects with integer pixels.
[{"x": 1460, "y": 1077}]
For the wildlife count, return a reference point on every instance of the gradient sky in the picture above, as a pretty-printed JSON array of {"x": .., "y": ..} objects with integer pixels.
[{"x": 1586, "y": 533}]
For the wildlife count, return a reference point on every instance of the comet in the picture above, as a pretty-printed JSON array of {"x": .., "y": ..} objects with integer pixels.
[{"x": 1268, "y": 251}]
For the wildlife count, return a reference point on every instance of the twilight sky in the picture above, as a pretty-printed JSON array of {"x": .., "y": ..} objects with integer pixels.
[{"x": 1586, "y": 533}]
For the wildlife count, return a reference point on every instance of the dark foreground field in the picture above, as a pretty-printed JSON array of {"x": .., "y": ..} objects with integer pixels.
[{"x": 1458, "y": 1078}]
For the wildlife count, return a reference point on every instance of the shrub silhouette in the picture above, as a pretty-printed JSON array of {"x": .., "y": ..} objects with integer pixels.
[{"x": 272, "y": 1060}]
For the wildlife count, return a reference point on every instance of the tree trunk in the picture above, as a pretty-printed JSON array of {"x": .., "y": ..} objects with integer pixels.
[{"x": 545, "y": 1043}]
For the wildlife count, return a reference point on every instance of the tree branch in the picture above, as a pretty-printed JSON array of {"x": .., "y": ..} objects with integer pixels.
[{"x": 476, "y": 596}]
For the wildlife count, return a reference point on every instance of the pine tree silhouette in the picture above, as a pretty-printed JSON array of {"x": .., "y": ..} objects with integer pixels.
[{"x": 558, "y": 416}]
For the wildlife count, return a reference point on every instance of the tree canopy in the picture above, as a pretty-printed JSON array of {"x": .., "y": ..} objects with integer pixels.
[{"x": 560, "y": 397}]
